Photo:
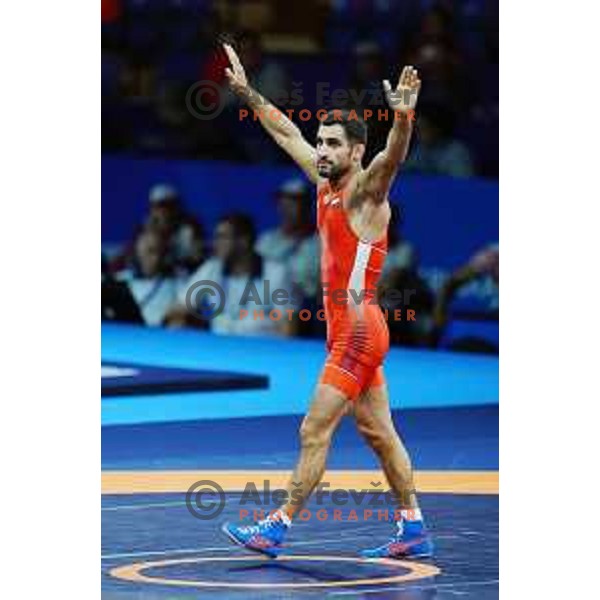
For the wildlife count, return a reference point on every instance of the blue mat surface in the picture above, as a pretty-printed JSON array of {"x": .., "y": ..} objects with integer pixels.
[
  {"x": 157, "y": 527},
  {"x": 444, "y": 405},
  {"x": 416, "y": 379},
  {"x": 442, "y": 438}
]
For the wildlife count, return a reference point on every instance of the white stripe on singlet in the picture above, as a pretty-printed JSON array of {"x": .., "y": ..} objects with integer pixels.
[{"x": 357, "y": 276}]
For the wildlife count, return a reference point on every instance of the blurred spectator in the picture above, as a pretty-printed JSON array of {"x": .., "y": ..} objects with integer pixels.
[
  {"x": 167, "y": 214},
  {"x": 369, "y": 70},
  {"x": 401, "y": 276},
  {"x": 435, "y": 151},
  {"x": 435, "y": 51},
  {"x": 417, "y": 296},
  {"x": 294, "y": 243},
  {"x": 128, "y": 113},
  {"x": 483, "y": 265},
  {"x": 369, "y": 65},
  {"x": 118, "y": 304},
  {"x": 171, "y": 128},
  {"x": 153, "y": 282},
  {"x": 486, "y": 263},
  {"x": 401, "y": 254},
  {"x": 183, "y": 234},
  {"x": 137, "y": 81},
  {"x": 151, "y": 55},
  {"x": 239, "y": 270}
]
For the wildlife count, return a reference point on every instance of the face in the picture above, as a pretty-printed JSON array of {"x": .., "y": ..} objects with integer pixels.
[
  {"x": 335, "y": 155},
  {"x": 163, "y": 216},
  {"x": 290, "y": 209},
  {"x": 224, "y": 241},
  {"x": 150, "y": 254}
]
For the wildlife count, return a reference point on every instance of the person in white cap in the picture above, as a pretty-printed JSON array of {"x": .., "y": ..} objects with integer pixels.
[
  {"x": 183, "y": 234},
  {"x": 294, "y": 243},
  {"x": 168, "y": 216},
  {"x": 153, "y": 281}
]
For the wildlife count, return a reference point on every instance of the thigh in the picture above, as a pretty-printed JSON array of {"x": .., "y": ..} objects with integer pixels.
[{"x": 326, "y": 408}]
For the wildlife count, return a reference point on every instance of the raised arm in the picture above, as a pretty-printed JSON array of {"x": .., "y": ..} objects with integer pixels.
[
  {"x": 275, "y": 122},
  {"x": 380, "y": 174}
]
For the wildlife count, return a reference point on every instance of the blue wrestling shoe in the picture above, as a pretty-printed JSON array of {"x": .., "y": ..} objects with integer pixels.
[
  {"x": 265, "y": 536},
  {"x": 410, "y": 541}
]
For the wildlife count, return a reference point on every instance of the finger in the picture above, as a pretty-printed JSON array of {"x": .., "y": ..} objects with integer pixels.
[
  {"x": 415, "y": 78},
  {"x": 228, "y": 51},
  {"x": 233, "y": 58},
  {"x": 404, "y": 76}
]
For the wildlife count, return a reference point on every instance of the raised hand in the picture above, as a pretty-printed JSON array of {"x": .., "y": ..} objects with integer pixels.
[
  {"x": 236, "y": 75},
  {"x": 404, "y": 96}
]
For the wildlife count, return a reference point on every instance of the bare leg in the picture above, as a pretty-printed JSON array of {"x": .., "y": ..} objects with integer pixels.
[
  {"x": 318, "y": 426},
  {"x": 374, "y": 421}
]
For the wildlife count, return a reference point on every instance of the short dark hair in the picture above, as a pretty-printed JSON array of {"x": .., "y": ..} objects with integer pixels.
[
  {"x": 355, "y": 128},
  {"x": 242, "y": 225}
]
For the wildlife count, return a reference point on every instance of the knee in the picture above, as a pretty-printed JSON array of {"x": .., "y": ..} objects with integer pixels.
[{"x": 314, "y": 434}]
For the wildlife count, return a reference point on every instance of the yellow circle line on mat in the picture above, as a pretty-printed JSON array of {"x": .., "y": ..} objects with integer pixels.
[
  {"x": 134, "y": 572},
  {"x": 153, "y": 482}
]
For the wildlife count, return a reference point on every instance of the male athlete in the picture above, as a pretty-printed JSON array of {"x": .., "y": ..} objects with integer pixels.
[{"x": 353, "y": 214}]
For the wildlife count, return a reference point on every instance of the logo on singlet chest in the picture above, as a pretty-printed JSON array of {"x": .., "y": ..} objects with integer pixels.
[{"x": 331, "y": 199}]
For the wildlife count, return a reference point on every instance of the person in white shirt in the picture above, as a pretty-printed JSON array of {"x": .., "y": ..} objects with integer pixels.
[
  {"x": 183, "y": 232},
  {"x": 259, "y": 298},
  {"x": 152, "y": 282},
  {"x": 294, "y": 242}
]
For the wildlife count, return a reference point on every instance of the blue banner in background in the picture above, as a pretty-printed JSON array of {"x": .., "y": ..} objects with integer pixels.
[{"x": 445, "y": 219}]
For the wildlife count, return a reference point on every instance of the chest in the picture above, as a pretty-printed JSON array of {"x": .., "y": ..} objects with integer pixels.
[{"x": 343, "y": 222}]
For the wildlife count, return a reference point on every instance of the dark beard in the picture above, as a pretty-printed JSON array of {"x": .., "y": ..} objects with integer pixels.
[{"x": 336, "y": 173}]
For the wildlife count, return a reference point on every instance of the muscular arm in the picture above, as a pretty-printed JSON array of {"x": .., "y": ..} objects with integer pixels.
[
  {"x": 277, "y": 125},
  {"x": 283, "y": 131},
  {"x": 380, "y": 174},
  {"x": 484, "y": 262}
]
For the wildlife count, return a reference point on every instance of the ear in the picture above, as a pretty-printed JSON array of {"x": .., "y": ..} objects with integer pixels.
[{"x": 358, "y": 151}]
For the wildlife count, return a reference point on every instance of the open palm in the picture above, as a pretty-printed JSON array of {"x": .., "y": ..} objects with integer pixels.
[{"x": 404, "y": 96}]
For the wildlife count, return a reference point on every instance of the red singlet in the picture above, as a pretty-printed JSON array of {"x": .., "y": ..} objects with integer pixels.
[{"x": 357, "y": 341}]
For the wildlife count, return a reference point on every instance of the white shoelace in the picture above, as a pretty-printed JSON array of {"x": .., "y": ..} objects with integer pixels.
[{"x": 268, "y": 523}]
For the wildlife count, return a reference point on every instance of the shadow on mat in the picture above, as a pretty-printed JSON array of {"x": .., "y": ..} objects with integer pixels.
[{"x": 317, "y": 574}]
